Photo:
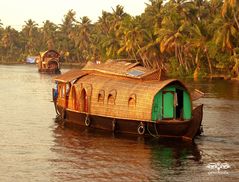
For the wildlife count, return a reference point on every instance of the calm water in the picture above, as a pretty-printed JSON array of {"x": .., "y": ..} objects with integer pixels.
[{"x": 35, "y": 148}]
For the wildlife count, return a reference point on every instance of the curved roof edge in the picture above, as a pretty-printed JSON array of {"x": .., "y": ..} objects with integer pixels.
[
  {"x": 42, "y": 54},
  {"x": 70, "y": 75}
]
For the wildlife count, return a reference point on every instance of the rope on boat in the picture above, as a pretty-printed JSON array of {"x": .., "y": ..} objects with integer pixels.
[
  {"x": 153, "y": 135},
  {"x": 57, "y": 112},
  {"x": 63, "y": 115},
  {"x": 114, "y": 125},
  {"x": 58, "y": 119},
  {"x": 156, "y": 130}
]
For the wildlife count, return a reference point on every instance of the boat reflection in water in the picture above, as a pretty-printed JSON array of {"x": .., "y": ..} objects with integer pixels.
[{"x": 96, "y": 155}]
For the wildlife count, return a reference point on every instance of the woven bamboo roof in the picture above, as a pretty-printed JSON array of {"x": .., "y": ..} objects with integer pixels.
[
  {"x": 70, "y": 75},
  {"x": 49, "y": 53},
  {"x": 121, "y": 68}
]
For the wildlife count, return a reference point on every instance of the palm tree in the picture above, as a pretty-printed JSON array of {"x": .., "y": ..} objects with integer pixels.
[
  {"x": 10, "y": 42},
  {"x": 81, "y": 36},
  {"x": 1, "y": 29},
  {"x": 7, "y": 42},
  {"x": 171, "y": 38},
  {"x": 1, "y": 24},
  {"x": 104, "y": 22},
  {"x": 68, "y": 22},
  {"x": 150, "y": 52},
  {"x": 231, "y": 5},
  {"x": 132, "y": 37},
  {"x": 226, "y": 32},
  {"x": 150, "y": 23},
  {"x": 111, "y": 44},
  {"x": 200, "y": 43},
  {"x": 49, "y": 33},
  {"x": 117, "y": 17},
  {"x": 175, "y": 32},
  {"x": 65, "y": 29},
  {"x": 152, "y": 15},
  {"x": 30, "y": 31},
  {"x": 102, "y": 31},
  {"x": 110, "y": 31}
]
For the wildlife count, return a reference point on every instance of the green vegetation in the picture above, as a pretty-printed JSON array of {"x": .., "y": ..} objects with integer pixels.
[{"x": 183, "y": 37}]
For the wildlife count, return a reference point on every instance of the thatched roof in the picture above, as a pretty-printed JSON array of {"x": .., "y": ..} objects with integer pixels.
[
  {"x": 123, "y": 68},
  {"x": 50, "y": 54},
  {"x": 70, "y": 75}
]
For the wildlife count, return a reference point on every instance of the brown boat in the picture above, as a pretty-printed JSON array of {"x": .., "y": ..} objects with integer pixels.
[
  {"x": 48, "y": 62},
  {"x": 127, "y": 98}
]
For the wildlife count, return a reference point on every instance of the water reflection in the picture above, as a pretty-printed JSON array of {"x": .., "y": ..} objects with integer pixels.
[
  {"x": 99, "y": 156},
  {"x": 223, "y": 89},
  {"x": 173, "y": 154}
]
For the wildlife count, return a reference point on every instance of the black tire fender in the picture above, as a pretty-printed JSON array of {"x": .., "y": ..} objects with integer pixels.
[
  {"x": 87, "y": 121},
  {"x": 141, "y": 128}
]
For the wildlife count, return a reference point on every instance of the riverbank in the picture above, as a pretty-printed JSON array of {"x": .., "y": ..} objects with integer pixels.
[
  {"x": 11, "y": 63},
  {"x": 72, "y": 65},
  {"x": 67, "y": 65},
  {"x": 81, "y": 65},
  {"x": 237, "y": 79}
]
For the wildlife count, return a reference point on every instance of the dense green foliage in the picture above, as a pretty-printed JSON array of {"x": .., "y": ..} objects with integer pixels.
[{"x": 184, "y": 37}]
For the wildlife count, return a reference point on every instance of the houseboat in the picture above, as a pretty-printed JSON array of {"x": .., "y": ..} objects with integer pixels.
[
  {"x": 125, "y": 97},
  {"x": 48, "y": 62}
]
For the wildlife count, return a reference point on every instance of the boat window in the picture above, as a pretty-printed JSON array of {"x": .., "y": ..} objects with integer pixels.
[
  {"x": 132, "y": 100},
  {"x": 111, "y": 97},
  {"x": 101, "y": 96},
  {"x": 135, "y": 73}
]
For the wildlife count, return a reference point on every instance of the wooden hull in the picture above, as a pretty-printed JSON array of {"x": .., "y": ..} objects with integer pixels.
[
  {"x": 50, "y": 71},
  {"x": 186, "y": 130}
]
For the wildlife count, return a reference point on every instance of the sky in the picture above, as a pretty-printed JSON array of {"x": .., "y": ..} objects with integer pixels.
[{"x": 14, "y": 13}]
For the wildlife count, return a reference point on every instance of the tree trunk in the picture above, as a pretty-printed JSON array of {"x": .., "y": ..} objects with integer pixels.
[
  {"x": 195, "y": 74},
  {"x": 209, "y": 62},
  {"x": 78, "y": 56},
  {"x": 134, "y": 54},
  {"x": 180, "y": 58},
  {"x": 235, "y": 18}
]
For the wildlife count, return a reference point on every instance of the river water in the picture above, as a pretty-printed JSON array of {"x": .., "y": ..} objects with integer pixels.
[{"x": 33, "y": 147}]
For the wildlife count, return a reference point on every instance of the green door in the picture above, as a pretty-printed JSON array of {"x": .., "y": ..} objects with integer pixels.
[
  {"x": 157, "y": 107},
  {"x": 168, "y": 104},
  {"x": 187, "y": 114}
]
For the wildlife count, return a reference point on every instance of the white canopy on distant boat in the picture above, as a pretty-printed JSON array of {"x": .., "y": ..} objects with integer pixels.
[{"x": 31, "y": 59}]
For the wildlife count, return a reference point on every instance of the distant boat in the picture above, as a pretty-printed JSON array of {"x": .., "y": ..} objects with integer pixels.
[
  {"x": 127, "y": 98},
  {"x": 49, "y": 62},
  {"x": 31, "y": 59}
]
